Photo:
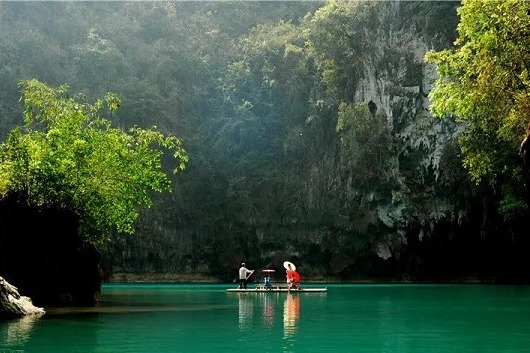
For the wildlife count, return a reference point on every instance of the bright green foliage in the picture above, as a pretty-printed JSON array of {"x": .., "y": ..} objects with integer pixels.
[
  {"x": 485, "y": 83},
  {"x": 337, "y": 39},
  {"x": 68, "y": 156},
  {"x": 511, "y": 208}
]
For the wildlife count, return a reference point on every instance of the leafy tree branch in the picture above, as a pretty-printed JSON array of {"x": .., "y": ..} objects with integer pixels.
[{"x": 68, "y": 156}]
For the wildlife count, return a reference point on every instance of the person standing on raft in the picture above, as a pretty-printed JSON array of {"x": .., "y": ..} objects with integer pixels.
[
  {"x": 244, "y": 274},
  {"x": 293, "y": 277}
]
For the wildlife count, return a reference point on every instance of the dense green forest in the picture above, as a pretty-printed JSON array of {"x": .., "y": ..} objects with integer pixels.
[{"x": 308, "y": 131}]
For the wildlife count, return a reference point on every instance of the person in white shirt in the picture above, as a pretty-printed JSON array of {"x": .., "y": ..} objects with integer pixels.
[{"x": 244, "y": 273}]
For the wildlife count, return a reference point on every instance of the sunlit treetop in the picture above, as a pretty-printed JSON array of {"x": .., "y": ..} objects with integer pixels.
[
  {"x": 68, "y": 156},
  {"x": 484, "y": 82}
]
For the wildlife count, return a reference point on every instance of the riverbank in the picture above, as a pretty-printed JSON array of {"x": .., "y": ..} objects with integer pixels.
[
  {"x": 125, "y": 277},
  {"x": 129, "y": 277}
]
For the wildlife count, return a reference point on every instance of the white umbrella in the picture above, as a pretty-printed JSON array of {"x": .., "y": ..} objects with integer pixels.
[{"x": 289, "y": 266}]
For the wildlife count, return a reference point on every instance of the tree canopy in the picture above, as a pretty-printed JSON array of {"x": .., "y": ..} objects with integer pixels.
[
  {"x": 67, "y": 155},
  {"x": 484, "y": 83}
]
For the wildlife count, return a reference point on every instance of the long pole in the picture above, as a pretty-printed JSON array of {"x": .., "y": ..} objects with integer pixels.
[{"x": 250, "y": 274}]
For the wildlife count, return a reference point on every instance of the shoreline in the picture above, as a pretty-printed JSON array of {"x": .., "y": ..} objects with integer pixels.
[{"x": 126, "y": 277}]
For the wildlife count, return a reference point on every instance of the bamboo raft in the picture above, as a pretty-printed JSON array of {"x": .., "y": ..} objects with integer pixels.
[{"x": 277, "y": 289}]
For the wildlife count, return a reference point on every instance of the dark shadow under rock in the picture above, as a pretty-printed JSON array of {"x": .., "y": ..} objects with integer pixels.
[{"x": 44, "y": 256}]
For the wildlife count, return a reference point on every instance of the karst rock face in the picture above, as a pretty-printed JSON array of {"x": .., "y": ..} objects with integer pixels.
[
  {"x": 335, "y": 225},
  {"x": 44, "y": 257},
  {"x": 397, "y": 81}
]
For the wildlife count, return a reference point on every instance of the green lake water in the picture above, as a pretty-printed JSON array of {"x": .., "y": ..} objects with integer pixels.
[{"x": 347, "y": 318}]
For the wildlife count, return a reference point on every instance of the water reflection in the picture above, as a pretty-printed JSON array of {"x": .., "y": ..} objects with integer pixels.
[
  {"x": 250, "y": 305},
  {"x": 15, "y": 333},
  {"x": 291, "y": 314},
  {"x": 246, "y": 312},
  {"x": 268, "y": 310}
]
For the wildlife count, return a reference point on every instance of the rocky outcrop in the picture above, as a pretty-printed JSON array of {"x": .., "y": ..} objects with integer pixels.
[
  {"x": 396, "y": 82},
  {"x": 13, "y": 305}
]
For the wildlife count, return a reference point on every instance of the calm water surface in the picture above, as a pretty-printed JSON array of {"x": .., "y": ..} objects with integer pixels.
[{"x": 348, "y": 318}]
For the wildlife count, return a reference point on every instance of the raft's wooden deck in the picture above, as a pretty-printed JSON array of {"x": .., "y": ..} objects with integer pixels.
[{"x": 276, "y": 289}]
